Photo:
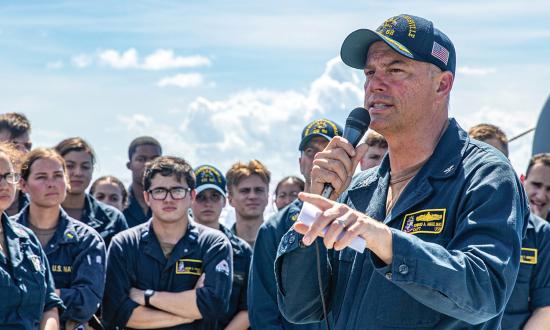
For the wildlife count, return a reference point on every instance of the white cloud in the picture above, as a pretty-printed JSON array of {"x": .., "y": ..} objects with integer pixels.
[
  {"x": 126, "y": 60},
  {"x": 470, "y": 71},
  {"x": 183, "y": 80},
  {"x": 262, "y": 124},
  {"x": 161, "y": 59},
  {"x": 82, "y": 60},
  {"x": 54, "y": 65},
  {"x": 165, "y": 59}
]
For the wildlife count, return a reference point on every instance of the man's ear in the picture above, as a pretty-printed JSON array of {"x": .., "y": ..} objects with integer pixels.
[
  {"x": 146, "y": 198},
  {"x": 128, "y": 165},
  {"x": 193, "y": 194},
  {"x": 445, "y": 83},
  {"x": 22, "y": 185},
  {"x": 229, "y": 197}
]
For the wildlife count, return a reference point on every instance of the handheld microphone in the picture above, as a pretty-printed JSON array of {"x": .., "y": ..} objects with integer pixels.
[{"x": 356, "y": 125}]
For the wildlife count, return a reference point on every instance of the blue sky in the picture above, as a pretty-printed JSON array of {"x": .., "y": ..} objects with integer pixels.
[{"x": 218, "y": 82}]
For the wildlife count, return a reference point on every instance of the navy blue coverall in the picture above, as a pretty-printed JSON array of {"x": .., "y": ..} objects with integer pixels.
[
  {"x": 456, "y": 241},
  {"x": 532, "y": 289},
  {"x": 262, "y": 289},
  {"x": 135, "y": 259},
  {"x": 26, "y": 284},
  {"x": 77, "y": 258}
]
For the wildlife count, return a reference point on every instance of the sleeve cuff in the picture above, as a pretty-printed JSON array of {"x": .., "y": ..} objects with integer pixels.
[
  {"x": 402, "y": 267},
  {"x": 124, "y": 312}
]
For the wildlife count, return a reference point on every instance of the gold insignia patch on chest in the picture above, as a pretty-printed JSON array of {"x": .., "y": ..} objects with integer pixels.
[
  {"x": 189, "y": 267},
  {"x": 429, "y": 221},
  {"x": 529, "y": 256}
]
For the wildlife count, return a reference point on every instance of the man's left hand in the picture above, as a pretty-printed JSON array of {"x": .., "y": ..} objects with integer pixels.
[{"x": 341, "y": 219}]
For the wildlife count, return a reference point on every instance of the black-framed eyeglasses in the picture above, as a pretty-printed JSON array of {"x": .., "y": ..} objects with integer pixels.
[
  {"x": 10, "y": 177},
  {"x": 176, "y": 193}
]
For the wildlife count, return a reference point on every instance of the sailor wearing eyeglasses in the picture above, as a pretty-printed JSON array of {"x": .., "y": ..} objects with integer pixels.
[
  {"x": 170, "y": 272},
  {"x": 207, "y": 207}
]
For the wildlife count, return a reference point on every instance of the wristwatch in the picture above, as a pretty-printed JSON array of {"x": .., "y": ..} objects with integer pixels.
[{"x": 147, "y": 294}]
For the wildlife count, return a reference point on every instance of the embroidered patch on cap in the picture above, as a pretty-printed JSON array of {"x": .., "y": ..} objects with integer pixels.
[
  {"x": 440, "y": 52},
  {"x": 429, "y": 221},
  {"x": 529, "y": 256},
  {"x": 189, "y": 267},
  {"x": 223, "y": 267}
]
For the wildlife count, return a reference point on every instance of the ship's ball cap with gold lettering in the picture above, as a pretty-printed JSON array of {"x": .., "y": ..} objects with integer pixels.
[
  {"x": 321, "y": 127},
  {"x": 411, "y": 36}
]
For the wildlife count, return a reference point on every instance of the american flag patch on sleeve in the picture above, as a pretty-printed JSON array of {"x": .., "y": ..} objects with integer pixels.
[{"x": 440, "y": 53}]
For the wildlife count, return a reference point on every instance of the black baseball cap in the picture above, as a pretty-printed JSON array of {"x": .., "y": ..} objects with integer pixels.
[
  {"x": 411, "y": 36},
  {"x": 321, "y": 127},
  {"x": 209, "y": 177}
]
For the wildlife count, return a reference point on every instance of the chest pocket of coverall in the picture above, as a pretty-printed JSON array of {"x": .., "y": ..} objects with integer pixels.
[{"x": 186, "y": 273}]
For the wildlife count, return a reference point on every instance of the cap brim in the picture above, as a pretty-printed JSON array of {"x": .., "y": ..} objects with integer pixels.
[
  {"x": 308, "y": 138},
  {"x": 356, "y": 47},
  {"x": 204, "y": 187}
]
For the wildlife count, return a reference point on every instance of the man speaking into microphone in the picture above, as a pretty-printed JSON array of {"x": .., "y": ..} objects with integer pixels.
[{"x": 441, "y": 218}]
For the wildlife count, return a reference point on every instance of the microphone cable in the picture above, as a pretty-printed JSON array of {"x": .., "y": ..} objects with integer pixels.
[{"x": 320, "y": 281}]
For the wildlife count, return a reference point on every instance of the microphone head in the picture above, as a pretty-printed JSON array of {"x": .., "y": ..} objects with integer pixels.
[
  {"x": 359, "y": 119},
  {"x": 356, "y": 125}
]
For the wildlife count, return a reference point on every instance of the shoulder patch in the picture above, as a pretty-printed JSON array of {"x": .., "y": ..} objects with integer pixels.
[
  {"x": 223, "y": 267},
  {"x": 430, "y": 221}
]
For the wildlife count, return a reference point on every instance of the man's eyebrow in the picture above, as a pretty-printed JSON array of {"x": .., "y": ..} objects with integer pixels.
[{"x": 394, "y": 62}]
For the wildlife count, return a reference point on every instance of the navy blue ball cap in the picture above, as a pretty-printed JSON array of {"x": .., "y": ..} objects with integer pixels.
[
  {"x": 411, "y": 36},
  {"x": 321, "y": 127},
  {"x": 209, "y": 177}
]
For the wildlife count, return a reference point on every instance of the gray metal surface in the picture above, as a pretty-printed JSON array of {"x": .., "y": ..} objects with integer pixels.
[{"x": 541, "y": 142}]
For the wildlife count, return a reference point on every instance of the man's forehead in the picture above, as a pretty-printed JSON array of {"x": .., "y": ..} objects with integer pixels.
[
  {"x": 251, "y": 181},
  {"x": 540, "y": 171},
  {"x": 318, "y": 142},
  {"x": 379, "y": 51},
  {"x": 147, "y": 149},
  {"x": 159, "y": 179}
]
